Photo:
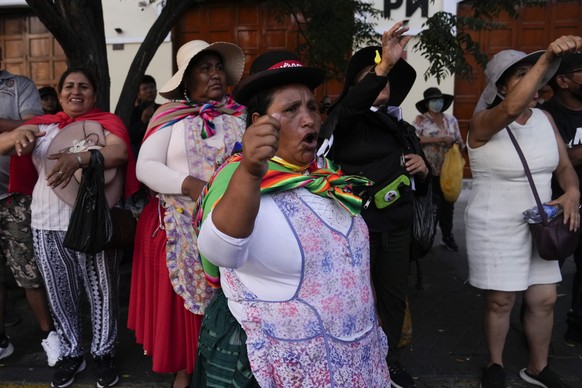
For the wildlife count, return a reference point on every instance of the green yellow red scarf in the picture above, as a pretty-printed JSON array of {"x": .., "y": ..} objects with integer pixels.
[{"x": 326, "y": 181}]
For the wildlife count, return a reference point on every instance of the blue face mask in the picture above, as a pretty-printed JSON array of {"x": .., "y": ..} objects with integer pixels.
[{"x": 436, "y": 105}]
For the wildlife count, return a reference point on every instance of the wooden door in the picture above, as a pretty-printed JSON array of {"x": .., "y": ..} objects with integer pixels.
[
  {"x": 251, "y": 25},
  {"x": 535, "y": 28},
  {"x": 30, "y": 50}
]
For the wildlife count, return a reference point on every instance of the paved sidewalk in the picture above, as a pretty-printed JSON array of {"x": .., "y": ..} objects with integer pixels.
[
  {"x": 27, "y": 367},
  {"x": 447, "y": 349}
]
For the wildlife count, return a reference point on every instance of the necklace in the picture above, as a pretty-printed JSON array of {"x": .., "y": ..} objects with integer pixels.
[{"x": 290, "y": 166}]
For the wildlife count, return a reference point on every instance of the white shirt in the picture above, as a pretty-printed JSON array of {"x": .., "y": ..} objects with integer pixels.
[
  {"x": 268, "y": 262},
  {"x": 162, "y": 163},
  {"x": 48, "y": 211}
]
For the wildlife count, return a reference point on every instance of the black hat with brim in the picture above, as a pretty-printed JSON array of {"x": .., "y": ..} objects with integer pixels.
[
  {"x": 274, "y": 69},
  {"x": 569, "y": 63},
  {"x": 47, "y": 91},
  {"x": 401, "y": 76},
  {"x": 433, "y": 94}
]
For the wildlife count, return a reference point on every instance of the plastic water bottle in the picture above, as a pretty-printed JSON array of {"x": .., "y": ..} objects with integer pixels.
[{"x": 532, "y": 216}]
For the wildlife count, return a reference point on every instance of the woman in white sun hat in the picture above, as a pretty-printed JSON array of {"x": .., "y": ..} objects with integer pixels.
[
  {"x": 502, "y": 259},
  {"x": 184, "y": 142}
]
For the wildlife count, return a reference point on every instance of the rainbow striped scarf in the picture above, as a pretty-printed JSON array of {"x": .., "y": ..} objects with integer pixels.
[
  {"x": 176, "y": 111},
  {"x": 326, "y": 181}
]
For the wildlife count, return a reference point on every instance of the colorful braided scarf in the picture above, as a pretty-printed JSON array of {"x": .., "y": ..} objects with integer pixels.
[
  {"x": 326, "y": 181},
  {"x": 176, "y": 111}
]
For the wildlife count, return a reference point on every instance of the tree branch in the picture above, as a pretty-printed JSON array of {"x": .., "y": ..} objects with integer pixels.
[
  {"x": 48, "y": 13},
  {"x": 170, "y": 14},
  {"x": 78, "y": 27}
]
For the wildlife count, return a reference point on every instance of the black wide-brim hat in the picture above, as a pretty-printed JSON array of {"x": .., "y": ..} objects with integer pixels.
[
  {"x": 273, "y": 69},
  {"x": 433, "y": 94},
  {"x": 569, "y": 63},
  {"x": 401, "y": 76}
]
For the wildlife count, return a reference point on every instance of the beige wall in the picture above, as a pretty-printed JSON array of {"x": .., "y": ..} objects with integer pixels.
[
  {"x": 119, "y": 61},
  {"x": 414, "y": 57},
  {"x": 134, "y": 21}
]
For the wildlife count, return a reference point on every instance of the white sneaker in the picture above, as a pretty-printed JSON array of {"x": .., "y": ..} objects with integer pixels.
[
  {"x": 7, "y": 351},
  {"x": 52, "y": 347}
]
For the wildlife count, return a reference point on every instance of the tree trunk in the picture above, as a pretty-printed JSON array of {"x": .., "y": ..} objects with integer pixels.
[
  {"x": 78, "y": 27},
  {"x": 170, "y": 14}
]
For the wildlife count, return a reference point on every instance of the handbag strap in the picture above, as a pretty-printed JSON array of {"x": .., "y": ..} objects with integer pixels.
[{"x": 529, "y": 177}]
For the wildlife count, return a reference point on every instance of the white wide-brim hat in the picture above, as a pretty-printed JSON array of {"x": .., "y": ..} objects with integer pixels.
[
  {"x": 233, "y": 60},
  {"x": 500, "y": 63}
]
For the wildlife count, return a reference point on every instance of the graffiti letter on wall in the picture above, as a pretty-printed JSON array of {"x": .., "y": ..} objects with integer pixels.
[
  {"x": 411, "y": 7},
  {"x": 389, "y": 5}
]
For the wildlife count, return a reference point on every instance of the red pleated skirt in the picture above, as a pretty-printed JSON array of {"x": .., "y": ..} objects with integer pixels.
[{"x": 165, "y": 328}]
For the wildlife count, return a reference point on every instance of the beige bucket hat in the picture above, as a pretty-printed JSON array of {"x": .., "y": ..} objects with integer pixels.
[
  {"x": 500, "y": 63},
  {"x": 232, "y": 56}
]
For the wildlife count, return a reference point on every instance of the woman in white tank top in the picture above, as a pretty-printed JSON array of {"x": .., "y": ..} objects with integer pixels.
[{"x": 502, "y": 260}]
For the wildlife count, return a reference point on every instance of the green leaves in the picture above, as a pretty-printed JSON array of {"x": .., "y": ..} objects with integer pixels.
[
  {"x": 448, "y": 37},
  {"x": 329, "y": 29},
  {"x": 445, "y": 49}
]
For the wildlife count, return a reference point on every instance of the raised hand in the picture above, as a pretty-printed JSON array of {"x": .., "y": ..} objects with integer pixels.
[
  {"x": 260, "y": 143},
  {"x": 564, "y": 45},
  {"x": 393, "y": 44}
]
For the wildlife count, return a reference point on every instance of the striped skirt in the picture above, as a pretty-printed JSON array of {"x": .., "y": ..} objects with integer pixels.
[{"x": 222, "y": 359}]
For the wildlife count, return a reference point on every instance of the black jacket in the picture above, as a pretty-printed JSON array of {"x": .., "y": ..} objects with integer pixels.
[{"x": 372, "y": 144}]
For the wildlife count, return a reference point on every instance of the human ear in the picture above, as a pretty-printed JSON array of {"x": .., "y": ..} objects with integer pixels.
[{"x": 561, "y": 81}]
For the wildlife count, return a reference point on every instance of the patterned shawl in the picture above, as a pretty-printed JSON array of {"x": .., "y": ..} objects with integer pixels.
[{"x": 173, "y": 112}]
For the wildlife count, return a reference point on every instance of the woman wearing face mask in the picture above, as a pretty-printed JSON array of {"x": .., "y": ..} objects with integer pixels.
[
  {"x": 438, "y": 131},
  {"x": 369, "y": 140}
]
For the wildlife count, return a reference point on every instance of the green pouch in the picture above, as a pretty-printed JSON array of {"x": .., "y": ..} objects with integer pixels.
[{"x": 390, "y": 193}]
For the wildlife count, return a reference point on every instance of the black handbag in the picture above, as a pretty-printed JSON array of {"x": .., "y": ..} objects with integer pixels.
[
  {"x": 424, "y": 223},
  {"x": 553, "y": 239},
  {"x": 90, "y": 228}
]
